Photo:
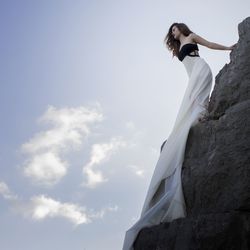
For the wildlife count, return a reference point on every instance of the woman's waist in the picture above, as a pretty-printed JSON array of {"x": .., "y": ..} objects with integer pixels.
[{"x": 190, "y": 62}]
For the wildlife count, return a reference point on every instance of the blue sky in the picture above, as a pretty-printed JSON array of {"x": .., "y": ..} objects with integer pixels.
[{"x": 88, "y": 94}]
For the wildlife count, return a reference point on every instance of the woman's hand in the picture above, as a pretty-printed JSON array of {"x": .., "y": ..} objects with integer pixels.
[{"x": 232, "y": 47}]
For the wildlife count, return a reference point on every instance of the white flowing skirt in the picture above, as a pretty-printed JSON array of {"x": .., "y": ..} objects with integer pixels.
[{"x": 164, "y": 200}]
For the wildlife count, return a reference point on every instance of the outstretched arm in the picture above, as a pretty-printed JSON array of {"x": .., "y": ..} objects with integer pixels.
[{"x": 200, "y": 40}]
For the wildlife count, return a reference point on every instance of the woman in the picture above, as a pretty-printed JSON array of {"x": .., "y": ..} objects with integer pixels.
[{"x": 164, "y": 200}]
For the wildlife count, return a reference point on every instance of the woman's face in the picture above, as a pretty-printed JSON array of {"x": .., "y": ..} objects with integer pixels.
[{"x": 176, "y": 32}]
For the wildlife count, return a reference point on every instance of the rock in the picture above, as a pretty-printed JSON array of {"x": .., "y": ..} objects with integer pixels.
[
  {"x": 216, "y": 168},
  {"x": 229, "y": 231}
]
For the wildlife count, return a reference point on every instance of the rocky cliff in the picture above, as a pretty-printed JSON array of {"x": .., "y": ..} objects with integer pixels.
[{"x": 216, "y": 168}]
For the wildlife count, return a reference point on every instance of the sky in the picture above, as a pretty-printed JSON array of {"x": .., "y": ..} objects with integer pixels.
[{"x": 89, "y": 93}]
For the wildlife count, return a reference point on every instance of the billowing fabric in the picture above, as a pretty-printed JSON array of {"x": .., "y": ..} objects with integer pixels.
[{"x": 164, "y": 201}]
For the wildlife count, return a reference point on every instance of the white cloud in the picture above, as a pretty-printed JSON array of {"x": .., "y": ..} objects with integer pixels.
[
  {"x": 5, "y": 192},
  {"x": 45, "y": 168},
  {"x": 102, "y": 212},
  {"x": 155, "y": 151},
  {"x": 99, "y": 153},
  {"x": 69, "y": 127},
  {"x": 136, "y": 137},
  {"x": 137, "y": 170},
  {"x": 130, "y": 125},
  {"x": 41, "y": 207}
]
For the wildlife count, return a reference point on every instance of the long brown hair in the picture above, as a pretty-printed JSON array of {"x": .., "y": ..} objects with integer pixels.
[{"x": 173, "y": 44}]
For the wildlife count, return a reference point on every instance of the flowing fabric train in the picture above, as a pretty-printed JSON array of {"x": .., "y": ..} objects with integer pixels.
[{"x": 164, "y": 200}]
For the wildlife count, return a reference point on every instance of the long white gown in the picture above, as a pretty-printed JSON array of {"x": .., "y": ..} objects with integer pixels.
[{"x": 164, "y": 200}]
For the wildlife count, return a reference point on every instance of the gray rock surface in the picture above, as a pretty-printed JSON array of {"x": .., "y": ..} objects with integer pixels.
[{"x": 216, "y": 168}]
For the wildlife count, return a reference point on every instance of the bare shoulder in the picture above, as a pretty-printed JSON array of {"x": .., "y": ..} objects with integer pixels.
[{"x": 200, "y": 40}]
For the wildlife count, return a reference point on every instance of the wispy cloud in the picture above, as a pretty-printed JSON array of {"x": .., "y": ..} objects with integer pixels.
[
  {"x": 40, "y": 207},
  {"x": 137, "y": 170},
  {"x": 130, "y": 125},
  {"x": 45, "y": 165},
  {"x": 45, "y": 168},
  {"x": 155, "y": 151},
  {"x": 100, "y": 153},
  {"x": 6, "y": 193}
]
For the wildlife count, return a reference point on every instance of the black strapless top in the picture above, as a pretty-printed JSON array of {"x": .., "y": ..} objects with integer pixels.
[{"x": 186, "y": 49}]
